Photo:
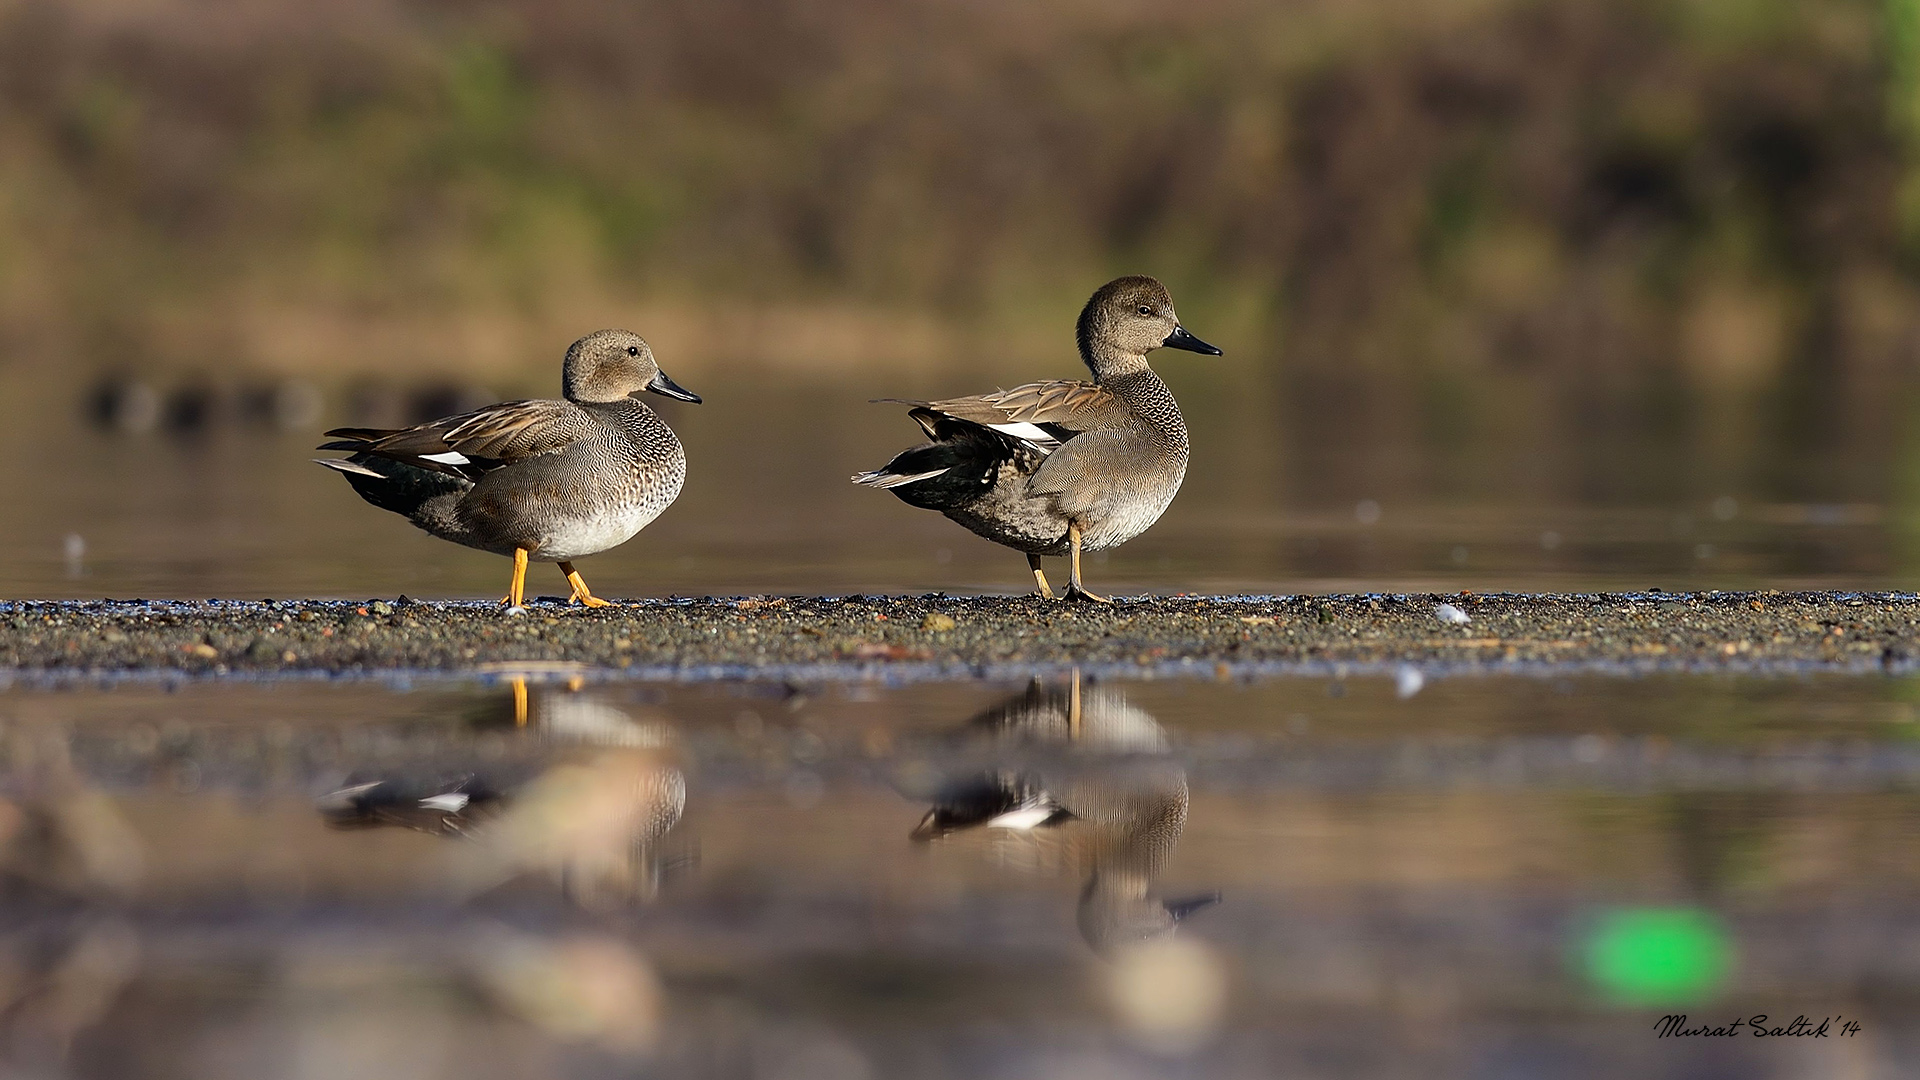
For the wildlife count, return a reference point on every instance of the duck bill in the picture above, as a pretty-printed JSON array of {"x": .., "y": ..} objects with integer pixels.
[
  {"x": 666, "y": 387},
  {"x": 1180, "y": 339}
]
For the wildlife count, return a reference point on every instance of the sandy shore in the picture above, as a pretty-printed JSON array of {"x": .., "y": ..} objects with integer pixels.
[{"x": 931, "y": 636}]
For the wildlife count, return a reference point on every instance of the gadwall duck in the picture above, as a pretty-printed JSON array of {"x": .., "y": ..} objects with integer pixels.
[
  {"x": 1061, "y": 467},
  {"x": 546, "y": 480},
  {"x": 1096, "y": 773},
  {"x": 594, "y": 812}
]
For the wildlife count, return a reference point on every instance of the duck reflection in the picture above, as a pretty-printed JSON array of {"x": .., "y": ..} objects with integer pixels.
[
  {"x": 592, "y": 815},
  {"x": 1106, "y": 787}
]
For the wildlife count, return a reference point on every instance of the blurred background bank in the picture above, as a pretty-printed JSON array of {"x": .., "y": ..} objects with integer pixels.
[{"x": 1514, "y": 293}]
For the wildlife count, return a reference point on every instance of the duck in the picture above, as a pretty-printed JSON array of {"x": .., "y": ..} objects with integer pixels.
[
  {"x": 593, "y": 811},
  {"x": 543, "y": 480},
  {"x": 1063, "y": 466},
  {"x": 1106, "y": 785}
]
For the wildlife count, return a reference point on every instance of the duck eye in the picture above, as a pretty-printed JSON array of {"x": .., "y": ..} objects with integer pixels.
[
  {"x": 633, "y": 350},
  {"x": 1145, "y": 309}
]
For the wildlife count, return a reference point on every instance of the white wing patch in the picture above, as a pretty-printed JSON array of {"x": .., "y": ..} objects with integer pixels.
[
  {"x": 1027, "y": 817},
  {"x": 451, "y": 457},
  {"x": 451, "y": 803},
  {"x": 1031, "y": 433}
]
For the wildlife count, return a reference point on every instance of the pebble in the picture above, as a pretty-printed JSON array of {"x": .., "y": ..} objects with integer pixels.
[{"x": 1792, "y": 632}]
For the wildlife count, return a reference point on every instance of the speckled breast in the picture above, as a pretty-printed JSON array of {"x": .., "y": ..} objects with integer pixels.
[{"x": 657, "y": 470}]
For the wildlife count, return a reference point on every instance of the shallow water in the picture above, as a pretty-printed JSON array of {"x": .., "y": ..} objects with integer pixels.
[
  {"x": 1485, "y": 877},
  {"x": 1489, "y": 877},
  {"x": 1270, "y": 504}
]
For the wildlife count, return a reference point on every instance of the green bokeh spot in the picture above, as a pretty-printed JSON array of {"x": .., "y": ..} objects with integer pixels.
[{"x": 1657, "y": 956}]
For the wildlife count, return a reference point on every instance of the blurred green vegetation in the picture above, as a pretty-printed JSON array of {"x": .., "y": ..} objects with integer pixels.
[
  {"x": 1467, "y": 181},
  {"x": 1671, "y": 239}
]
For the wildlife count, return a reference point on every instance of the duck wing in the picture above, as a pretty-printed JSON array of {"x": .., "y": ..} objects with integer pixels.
[
  {"x": 1042, "y": 414},
  {"x": 971, "y": 437},
  {"x": 472, "y": 444}
]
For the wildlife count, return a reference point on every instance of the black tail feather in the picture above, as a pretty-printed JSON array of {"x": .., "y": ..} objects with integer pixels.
[
  {"x": 400, "y": 487},
  {"x": 965, "y": 455},
  {"x": 361, "y": 434},
  {"x": 972, "y": 801}
]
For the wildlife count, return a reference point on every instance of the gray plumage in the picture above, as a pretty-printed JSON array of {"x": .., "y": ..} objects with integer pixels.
[
  {"x": 1128, "y": 804},
  {"x": 607, "y": 470},
  {"x": 1058, "y": 467},
  {"x": 554, "y": 479},
  {"x": 595, "y": 819}
]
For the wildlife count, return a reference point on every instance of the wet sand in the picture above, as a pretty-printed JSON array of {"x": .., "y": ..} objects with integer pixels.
[{"x": 945, "y": 636}]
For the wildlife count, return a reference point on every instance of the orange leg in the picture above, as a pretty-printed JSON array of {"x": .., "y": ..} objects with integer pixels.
[
  {"x": 519, "y": 701},
  {"x": 517, "y": 592},
  {"x": 1040, "y": 576},
  {"x": 1075, "y": 590},
  {"x": 580, "y": 590},
  {"x": 1073, "y": 708}
]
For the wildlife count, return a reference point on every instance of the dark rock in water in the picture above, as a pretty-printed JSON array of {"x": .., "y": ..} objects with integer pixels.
[
  {"x": 435, "y": 400},
  {"x": 382, "y": 405},
  {"x": 191, "y": 409},
  {"x": 287, "y": 405},
  {"x": 123, "y": 404}
]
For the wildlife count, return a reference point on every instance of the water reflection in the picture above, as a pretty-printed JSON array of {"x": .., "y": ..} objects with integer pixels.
[
  {"x": 1495, "y": 876},
  {"x": 594, "y": 822},
  {"x": 61, "y": 838},
  {"x": 1110, "y": 803}
]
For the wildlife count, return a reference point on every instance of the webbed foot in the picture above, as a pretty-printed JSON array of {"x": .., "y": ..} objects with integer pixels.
[{"x": 581, "y": 594}]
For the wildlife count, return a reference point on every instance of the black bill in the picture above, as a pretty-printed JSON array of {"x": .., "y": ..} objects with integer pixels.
[
  {"x": 1180, "y": 339},
  {"x": 666, "y": 387}
]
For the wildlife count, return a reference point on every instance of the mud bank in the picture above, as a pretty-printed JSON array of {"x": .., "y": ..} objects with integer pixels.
[{"x": 956, "y": 636}]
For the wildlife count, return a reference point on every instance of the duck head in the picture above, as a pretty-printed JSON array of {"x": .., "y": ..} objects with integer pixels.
[
  {"x": 1128, "y": 318},
  {"x": 609, "y": 365}
]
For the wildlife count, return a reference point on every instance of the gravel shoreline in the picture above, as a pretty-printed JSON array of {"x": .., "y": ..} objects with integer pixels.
[{"x": 946, "y": 636}]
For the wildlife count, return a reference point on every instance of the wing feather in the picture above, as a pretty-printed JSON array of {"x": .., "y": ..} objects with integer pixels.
[
  {"x": 473, "y": 443},
  {"x": 1067, "y": 404},
  {"x": 1042, "y": 415}
]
